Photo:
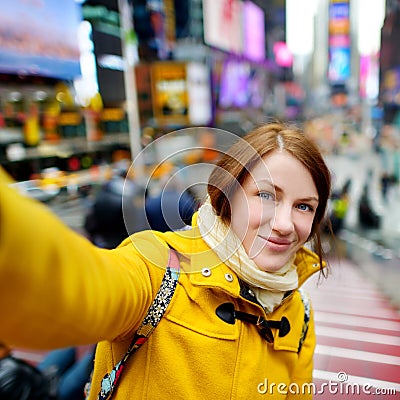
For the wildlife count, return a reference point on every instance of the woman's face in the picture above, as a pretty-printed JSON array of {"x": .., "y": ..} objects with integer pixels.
[{"x": 273, "y": 212}]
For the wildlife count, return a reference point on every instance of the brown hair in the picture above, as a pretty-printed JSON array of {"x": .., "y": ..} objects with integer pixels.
[{"x": 235, "y": 165}]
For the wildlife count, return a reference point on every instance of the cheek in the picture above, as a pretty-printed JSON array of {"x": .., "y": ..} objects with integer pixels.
[
  {"x": 240, "y": 213},
  {"x": 303, "y": 227},
  {"x": 256, "y": 215},
  {"x": 247, "y": 215},
  {"x": 260, "y": 212}
]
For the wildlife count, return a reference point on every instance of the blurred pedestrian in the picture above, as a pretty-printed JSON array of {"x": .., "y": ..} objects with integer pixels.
[
  {"x": 20, "y": 380},
  {"x": 367, "y": 216},
  {"x": 387, "y": 181},
  {"x": 170, "y": 209},
  {"x": 239, "y": 324},
  {"x": 105, "y": 223},
  {"x": 69, "y": 371},
  {"x": 340, "y": 202},
  {"x": 61, "y": 375}
]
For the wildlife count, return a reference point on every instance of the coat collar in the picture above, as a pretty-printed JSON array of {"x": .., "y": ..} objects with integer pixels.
[
  {"x": 202, "y": 258},
  {"x": 200, "y": 262}
]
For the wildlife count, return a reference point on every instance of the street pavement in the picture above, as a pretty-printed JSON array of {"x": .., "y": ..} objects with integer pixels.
[
  {"x": 375, "y": 250},
  {"x": 358, "y": 336}
]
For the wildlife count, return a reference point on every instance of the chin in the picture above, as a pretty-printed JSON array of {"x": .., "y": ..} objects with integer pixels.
[{"x": 271, "y": 263}]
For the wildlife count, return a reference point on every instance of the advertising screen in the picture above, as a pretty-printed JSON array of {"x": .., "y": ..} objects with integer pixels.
[
  {"x": 234, "y": 84},
  {"x": 339, "y": 64},
  {"x": 254, "y": 31},
  {"x": 223, "y": 25},
  {"x": 40, "y": 38},
  {"x": 240, "y": 85},
  {"x": 169, "y": 91},
  {"x": 339, "y": 41}
]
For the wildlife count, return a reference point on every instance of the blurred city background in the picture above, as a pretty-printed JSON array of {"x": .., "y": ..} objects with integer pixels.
[{"x": 87, "y": 87}]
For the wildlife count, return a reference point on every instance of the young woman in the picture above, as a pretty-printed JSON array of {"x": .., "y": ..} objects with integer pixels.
[{"x": 238, "y": 326}]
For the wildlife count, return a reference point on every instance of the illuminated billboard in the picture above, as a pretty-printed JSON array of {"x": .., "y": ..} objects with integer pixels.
[
  {"x": 235, "y": 27},
  {"x": 40, "y": 38},
  {"x": 339, "y": 41},
  {"x": 253, "y": 31},
  {"x": 223, "y": 24}
]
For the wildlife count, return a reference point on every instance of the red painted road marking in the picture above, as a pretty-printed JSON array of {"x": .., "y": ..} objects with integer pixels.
[{"x": 357, "y": 336}]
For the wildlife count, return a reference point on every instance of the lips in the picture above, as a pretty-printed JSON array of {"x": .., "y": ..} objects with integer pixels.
[
  {"x": 277, "y": 244},
  {"x": 279, "y": 241}
]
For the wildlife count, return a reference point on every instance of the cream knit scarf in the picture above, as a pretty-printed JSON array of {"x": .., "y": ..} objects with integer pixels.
[{"x": 269, "y": 287}]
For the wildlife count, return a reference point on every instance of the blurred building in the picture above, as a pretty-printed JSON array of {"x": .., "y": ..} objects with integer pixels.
[
  {"x": 128, "y": 66},
  {"x": 193, "y": 63},
  {"x": 390, "y": 63}
]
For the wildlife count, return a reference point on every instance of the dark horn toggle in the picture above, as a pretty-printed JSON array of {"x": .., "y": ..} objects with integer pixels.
[{"x": 228, "y": 314}]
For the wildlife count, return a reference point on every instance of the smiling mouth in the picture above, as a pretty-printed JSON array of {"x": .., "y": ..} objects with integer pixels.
[
  {"x": 280, "y": 242},
  {"x": 277, "y": 244},
  {"x": 276, "y": 240}
]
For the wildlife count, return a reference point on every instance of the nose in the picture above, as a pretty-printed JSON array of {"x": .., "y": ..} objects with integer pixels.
[{"x": 283, "y": 221}]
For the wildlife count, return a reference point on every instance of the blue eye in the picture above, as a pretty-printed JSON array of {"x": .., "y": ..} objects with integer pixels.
[
  {"x": 265, "y": 195},
  {"x": 305, "y": 207}
]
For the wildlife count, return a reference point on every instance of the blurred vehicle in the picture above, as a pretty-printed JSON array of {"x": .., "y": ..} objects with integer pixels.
[
  {"x": 34, "y": 189},
  {"x": 53, "y": 178}
]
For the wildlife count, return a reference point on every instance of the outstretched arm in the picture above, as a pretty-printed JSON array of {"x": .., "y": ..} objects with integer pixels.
[{"x": 56, "y": 288}]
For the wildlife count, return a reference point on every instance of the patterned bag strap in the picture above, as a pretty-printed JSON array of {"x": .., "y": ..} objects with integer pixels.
[
  {"x": 307, "y": 312},
  {"x": 149, "y": 323}
]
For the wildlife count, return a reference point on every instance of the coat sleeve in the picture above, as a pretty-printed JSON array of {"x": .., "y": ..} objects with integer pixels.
[
  {"x": 56, "y": 288},
  {"x": 302, "y": 378}
]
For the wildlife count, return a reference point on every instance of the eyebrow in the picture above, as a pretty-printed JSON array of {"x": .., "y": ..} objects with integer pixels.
[
  {"x": 278, "y": 189},
  {"x": 311, "y": 198}
]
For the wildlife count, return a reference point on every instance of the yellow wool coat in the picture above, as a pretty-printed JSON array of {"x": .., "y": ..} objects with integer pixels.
[{"x": 57, "y": 289}]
